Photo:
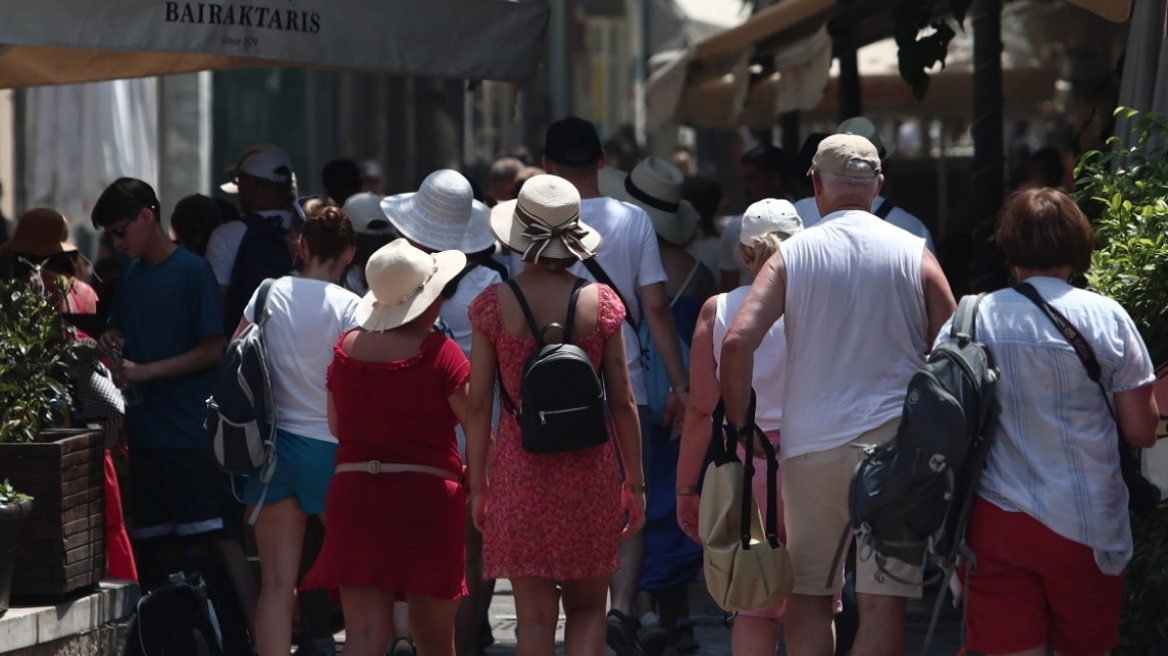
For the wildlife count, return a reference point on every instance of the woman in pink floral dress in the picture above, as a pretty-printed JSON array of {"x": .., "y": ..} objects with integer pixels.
[{"x": 551, "y": 518}]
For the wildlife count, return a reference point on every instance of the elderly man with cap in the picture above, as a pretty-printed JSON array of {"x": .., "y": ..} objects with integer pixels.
[
  {"x": 245, "y": 253},
  {"x": 863, "y": 300},
  {"x": 881, "y": 206}
]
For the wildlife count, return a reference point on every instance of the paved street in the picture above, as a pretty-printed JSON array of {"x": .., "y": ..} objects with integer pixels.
[{"x": 713, "y": 634}]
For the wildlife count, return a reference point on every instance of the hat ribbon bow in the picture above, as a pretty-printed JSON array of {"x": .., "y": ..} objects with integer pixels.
[{"x": 541, "y": 234}]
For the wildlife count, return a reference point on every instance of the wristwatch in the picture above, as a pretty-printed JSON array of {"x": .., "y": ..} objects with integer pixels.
[
  {"x": 635, "y": 489},
  {"x": 680, "y": 389},
  {"x": 687, "y": 490}
]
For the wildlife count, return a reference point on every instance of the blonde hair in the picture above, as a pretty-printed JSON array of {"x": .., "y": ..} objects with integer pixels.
[{"x": 763, "y": 247}]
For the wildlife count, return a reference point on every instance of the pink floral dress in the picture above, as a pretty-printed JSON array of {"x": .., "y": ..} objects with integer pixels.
[{"x": 554, "y": 516}]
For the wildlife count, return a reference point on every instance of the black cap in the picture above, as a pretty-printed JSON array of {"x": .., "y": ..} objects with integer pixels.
[
  {"x": 807, "y": 152},
  {"x": 573, "y": 142}
]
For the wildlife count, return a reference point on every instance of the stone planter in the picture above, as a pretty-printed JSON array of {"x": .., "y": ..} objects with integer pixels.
[
  {"x": 63, "y": 540},
  {"x": 12, "y": 516}
]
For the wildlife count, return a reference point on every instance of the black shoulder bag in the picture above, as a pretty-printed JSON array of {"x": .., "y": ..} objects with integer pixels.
[{"x": 1143, "y": 495}]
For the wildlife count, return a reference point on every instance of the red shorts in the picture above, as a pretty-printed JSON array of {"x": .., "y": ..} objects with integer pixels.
[{"x": 1033, "y": 587}]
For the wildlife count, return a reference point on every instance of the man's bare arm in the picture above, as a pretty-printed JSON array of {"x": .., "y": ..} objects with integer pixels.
[{"x": 939, "y": 303}]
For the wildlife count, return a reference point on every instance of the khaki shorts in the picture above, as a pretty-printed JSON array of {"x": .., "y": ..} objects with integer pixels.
[{"x": 815, "y": 500}]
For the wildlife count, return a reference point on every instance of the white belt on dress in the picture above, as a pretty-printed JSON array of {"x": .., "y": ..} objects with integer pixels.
[{"x": 378, "y": 467}]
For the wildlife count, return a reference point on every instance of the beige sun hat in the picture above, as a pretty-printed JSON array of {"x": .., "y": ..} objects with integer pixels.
[
  {"x": 655, "y": 186},
  {"x": 403, "y": 282},
  {"x": 545, "y": 219}
]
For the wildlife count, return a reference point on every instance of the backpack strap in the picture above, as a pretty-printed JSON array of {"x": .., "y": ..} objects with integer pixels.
[
  {"x": 580, "y": 282},
  {"x": 601, "y": 276},
  {"x": 451, "y": 287},
  {"x": 536, "y": 333},
  {"x": 262, "y": 312},
  {"x": 964, "y": 325},
  {"x": 885, "y": 209}
]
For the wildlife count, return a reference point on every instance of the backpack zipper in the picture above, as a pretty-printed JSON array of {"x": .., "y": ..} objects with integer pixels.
[{"x": 543, "y": 415}]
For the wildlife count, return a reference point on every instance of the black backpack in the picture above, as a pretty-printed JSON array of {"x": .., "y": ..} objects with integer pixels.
[
  {"x": 563, "y": 407},
  {"x": 911, "y": 500},
  {"x": 176, "y": 619},
  {"x": 241, "y": 413},
  {"x": 263, "y": 253}
]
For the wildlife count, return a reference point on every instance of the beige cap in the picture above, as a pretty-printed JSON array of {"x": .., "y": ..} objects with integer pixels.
[{"x": 848, "y": 155}]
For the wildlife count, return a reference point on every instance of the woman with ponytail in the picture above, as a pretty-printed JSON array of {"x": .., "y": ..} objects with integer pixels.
[{"x": 308, "y": 315}]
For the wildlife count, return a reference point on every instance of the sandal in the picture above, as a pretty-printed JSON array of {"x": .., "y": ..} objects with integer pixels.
[{"x": 401, "y": 646}]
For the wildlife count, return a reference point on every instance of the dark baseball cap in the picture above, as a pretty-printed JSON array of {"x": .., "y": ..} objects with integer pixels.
[{"x": 573, "y": 142}]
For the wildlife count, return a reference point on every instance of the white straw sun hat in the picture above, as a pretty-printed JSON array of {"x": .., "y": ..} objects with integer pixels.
[
  {"x": 442, "y": 215},
  {"x": 544, "y": 221},
  {"x": 655, "y": 186},
  {"x": 403, "y": 282}
]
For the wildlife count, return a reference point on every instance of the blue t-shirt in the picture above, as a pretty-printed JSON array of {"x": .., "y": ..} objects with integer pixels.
[{"x": 163, "y": 311}]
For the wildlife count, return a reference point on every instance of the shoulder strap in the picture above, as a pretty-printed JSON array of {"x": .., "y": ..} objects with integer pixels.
[
  {"x": 535, "y": 331},
  {"x": 1074, "y": 338},
  {"x": 262, "y": 313},
  {"x": 965, "y": 319},
  {"x": 601, "y": 276},
  {"x": 885, "y": 209},
  {"x": 572, "y": 309},
  {"x": 685, "y": 285},
  {"x": 451, "y": 287}
]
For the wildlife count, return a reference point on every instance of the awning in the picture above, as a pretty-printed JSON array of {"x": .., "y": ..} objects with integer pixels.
[
  {"x": 711, "y": 84},
  {"x": 65, "y": 41}
]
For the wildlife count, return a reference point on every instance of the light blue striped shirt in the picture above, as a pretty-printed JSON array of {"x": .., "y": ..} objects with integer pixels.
[{"x": 1055, "y": 456}]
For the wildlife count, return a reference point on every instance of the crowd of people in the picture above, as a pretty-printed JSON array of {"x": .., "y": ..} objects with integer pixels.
[{"x": 399, "y": 331}]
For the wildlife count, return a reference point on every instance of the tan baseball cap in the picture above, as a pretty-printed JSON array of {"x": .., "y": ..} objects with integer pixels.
[{"x": 848, "y": 155}]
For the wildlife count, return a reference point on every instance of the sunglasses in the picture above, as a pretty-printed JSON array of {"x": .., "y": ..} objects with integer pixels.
[
  {"x": 299, "y": 205},
  {"x": 120, "y": 231}
]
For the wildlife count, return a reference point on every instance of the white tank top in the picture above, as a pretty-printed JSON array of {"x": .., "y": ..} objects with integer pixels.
[
  {"x": 856, "y": 328},
  {"x": 770, "y": 360}
]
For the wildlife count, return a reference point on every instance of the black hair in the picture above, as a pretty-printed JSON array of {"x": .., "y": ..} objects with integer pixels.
[
  {"x": 705, "y": 195},
  {"x": 123, "y": 199},
  {"x": 766, "y": 158},
  {"x": 341, "y": 179}
]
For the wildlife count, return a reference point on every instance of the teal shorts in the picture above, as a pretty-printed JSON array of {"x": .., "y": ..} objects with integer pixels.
[{"x": 304, "y": 467}]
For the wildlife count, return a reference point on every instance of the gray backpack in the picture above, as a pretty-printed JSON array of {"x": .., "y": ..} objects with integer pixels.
[{"x": 241, "y": 413}]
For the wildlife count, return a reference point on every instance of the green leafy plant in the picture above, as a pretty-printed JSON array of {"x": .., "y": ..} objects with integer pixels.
[
  {"x": 39, "y": 361},
  {"x": 9, "y": 495},
  {"x": 1124, "y": 189}
]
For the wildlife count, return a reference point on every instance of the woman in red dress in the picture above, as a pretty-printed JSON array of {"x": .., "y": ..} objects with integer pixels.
[
  {"x": 552, "y": 517},
  {"x": 396, "y": 506}
]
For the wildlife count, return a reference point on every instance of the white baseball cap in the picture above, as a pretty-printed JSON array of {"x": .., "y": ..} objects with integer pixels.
[
  {"x": 364, "y": 212},
  {"x": 769, "y": 215},
  {"x": 266, "y": 161}
]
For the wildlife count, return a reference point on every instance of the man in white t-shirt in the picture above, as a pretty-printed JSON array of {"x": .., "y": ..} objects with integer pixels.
[
  {"x": 881, "y": 206},
  {"x": 263, "y": 179},
  {"x": 630, "y": 258},
  {"x": 862, "y": 301},
  {"x": 762, "y": 172}
]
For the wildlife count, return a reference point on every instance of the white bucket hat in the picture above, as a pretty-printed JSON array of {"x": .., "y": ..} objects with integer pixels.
[
  {"x": 364, "y": 212},
  {"x": 655, "y": 186},
  {"x": 403, "y": 282},
  {"x": 442, "y": 215},
  {"x": 545, "y": 220},
  {"x": 769, "y": 215}
]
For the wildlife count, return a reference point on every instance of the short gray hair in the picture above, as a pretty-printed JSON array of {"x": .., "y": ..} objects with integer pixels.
[{"x": 849, "y": 184}]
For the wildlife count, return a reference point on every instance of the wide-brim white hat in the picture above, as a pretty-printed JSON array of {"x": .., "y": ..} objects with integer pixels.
[
  {"x": 545, "y": 221},
  {"x": 442, "y": 215},
  {"x": 403, "y": 282},
  {"x": 655, "y": 186}
]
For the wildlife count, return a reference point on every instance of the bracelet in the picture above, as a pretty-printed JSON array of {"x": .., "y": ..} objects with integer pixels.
[
  {"x": 679, "y": 389},
  {"x": 635, "y": 489},
  {"x": 687, "y": 490}
]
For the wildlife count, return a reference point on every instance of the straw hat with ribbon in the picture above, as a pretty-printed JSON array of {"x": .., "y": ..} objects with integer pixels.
[
  {"x": 442, "y": 215},
  {"x": 655, "y": 186},
  {"x": 403, "y": 282},
  {"x": 40, "y": 232},
  {"x": 544, "y": 221}
]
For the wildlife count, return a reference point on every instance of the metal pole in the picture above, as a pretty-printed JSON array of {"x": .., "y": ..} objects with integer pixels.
[
  {"x": 988, "y": 137},
  {"x": 850, "y": 100},
  {"x": 789, "y": 122},
  {"x": 558, "y": 58},
  {"x": 19, "y": 152}
]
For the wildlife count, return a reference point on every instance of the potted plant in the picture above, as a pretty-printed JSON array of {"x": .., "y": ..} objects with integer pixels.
[
  {"x": 63, "y": 545},
  {"x": 14, "y": 507},
  {"x": 1124, "y": 190}
]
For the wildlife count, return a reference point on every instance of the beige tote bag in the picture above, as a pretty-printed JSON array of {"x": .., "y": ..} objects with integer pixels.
[{"x": 746, "y": 567}]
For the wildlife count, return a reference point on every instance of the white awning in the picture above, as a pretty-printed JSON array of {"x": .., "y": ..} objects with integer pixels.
[{"x": 65, "y": 41}]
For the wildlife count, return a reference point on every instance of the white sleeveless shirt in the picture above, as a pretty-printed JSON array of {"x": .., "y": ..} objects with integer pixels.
[
  {"x": 770, "y": 360},
  {"x": 856, "y": 325}
]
